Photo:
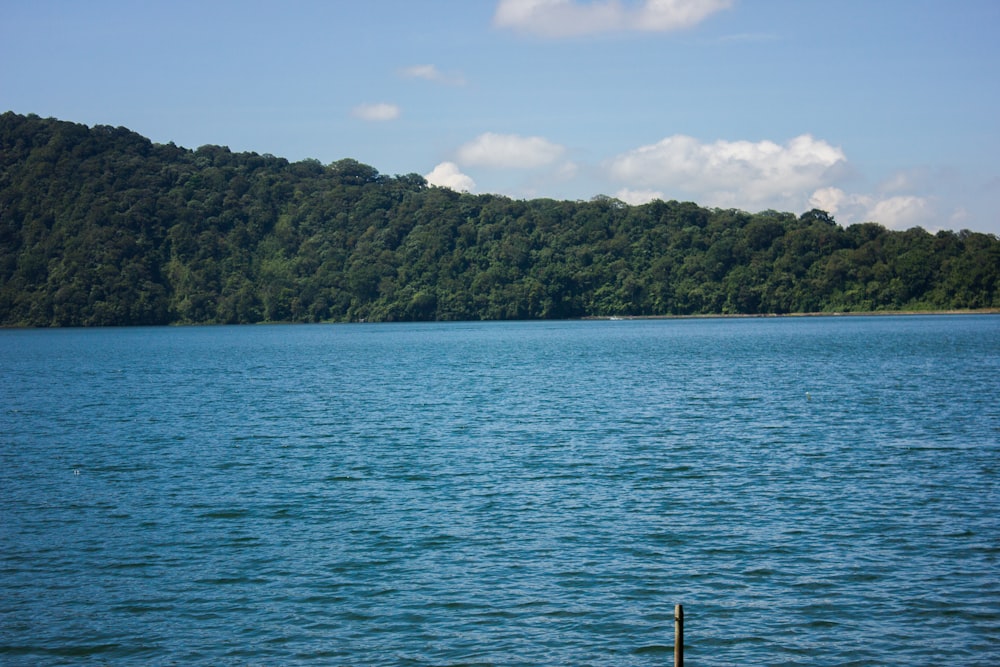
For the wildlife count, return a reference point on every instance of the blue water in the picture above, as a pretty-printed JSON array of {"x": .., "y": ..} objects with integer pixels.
[{"x": 814, "y": 491}]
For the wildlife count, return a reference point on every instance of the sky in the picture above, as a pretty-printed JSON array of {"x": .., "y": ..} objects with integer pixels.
[{"x": 884, "y": 111}]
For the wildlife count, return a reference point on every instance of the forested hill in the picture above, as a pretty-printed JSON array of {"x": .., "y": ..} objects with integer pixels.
[{"x": 100, "y": 226}]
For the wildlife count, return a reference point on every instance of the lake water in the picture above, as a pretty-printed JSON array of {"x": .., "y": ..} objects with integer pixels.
[{"x": 814, "y": 491}]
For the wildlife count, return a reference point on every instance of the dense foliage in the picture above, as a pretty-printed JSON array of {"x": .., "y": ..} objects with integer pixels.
[{"x": 100, "y": 226}]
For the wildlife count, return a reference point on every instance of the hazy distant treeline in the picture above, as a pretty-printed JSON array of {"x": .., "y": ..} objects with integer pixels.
[{"x": 100, "y": 226}]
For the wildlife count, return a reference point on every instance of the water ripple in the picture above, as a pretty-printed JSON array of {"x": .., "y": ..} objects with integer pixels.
[{"x": 817, "y": 491}]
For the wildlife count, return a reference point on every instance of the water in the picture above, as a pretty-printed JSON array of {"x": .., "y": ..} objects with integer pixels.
[{"x": 813, "y": 491}]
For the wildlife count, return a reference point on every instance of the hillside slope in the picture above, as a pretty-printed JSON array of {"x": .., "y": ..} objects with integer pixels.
[{"x": 100, "y": 226}]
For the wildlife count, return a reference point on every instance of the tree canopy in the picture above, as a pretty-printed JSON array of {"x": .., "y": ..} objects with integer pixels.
[{"x": 100, "y": 226}]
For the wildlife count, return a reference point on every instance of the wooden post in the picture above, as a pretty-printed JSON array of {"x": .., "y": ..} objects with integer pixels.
[{"x": 678, "y": 635}]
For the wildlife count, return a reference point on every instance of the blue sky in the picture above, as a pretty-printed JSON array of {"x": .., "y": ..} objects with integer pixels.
[{"x": 884, "y": 110}]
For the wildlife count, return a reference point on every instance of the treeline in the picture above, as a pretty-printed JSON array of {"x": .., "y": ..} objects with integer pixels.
[{"x": 100, "y": 226}]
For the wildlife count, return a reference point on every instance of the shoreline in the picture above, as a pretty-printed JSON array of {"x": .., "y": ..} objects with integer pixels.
[
  {"x": 585, "y": 318},
  {"x": 874, "y": 313}
]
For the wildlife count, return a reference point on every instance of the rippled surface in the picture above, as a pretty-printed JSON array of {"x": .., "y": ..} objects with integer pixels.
[{"x": 814, "y": 491}]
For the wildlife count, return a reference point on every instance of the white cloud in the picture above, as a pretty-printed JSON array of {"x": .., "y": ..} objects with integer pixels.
[
  {"x": 660, "y": 15},
  {"x": 509, "y": 151},
  {"x": 564, "y": 18},
  {"x": 832, "y": 200},
  {"x": 448, "y": 175},
  {"x": 739, "y": 174},
  {"x": 377, "y": 112},
  {"x": 636, "y": 197},
  {"x": 902, "y": 212},
  {"x": 897, "y": 212},
  {"x": 432, "y": 73}
]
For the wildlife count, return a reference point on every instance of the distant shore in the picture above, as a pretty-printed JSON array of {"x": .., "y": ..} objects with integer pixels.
[{"x": 877, "y": 313}]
